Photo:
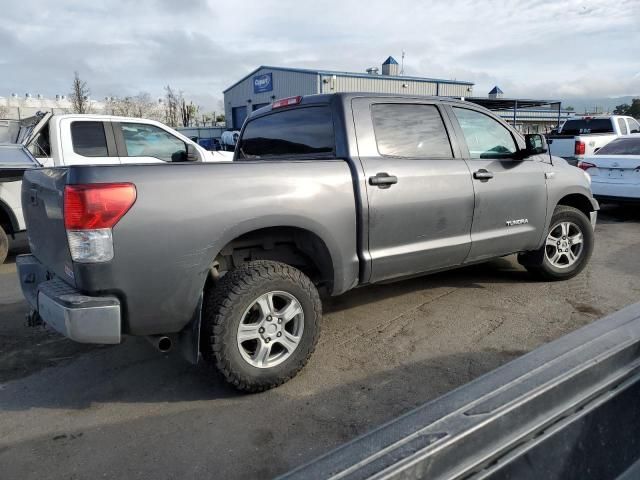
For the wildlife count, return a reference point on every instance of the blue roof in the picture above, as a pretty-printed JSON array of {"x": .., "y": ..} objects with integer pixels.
[
  {"x": 346, "y": 74},
  {"x": 495, "y": 89},
  {"x": 390, "y": 61}
]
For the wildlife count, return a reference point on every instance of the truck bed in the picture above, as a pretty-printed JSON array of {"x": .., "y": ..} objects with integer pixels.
[{"x": 184, "y": 214}]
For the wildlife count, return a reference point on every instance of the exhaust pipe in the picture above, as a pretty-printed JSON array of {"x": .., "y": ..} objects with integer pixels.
[{"x": 161, "y": 342}]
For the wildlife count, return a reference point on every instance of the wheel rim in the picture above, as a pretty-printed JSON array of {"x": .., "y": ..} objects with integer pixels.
[
  {"x": 564, "y": 245},
  {"x": 270, "y": 329}
]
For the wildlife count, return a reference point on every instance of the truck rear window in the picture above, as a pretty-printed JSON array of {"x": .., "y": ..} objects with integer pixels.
[
  {"x": 300, "y": 131},
  {"x": 586, "y": 126}
]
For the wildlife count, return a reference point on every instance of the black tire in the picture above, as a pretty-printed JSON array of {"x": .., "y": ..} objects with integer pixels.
[
  {"x": 227, "y": 302},
  {"x": 538, "y": 263},
  {"x": 4, "y": 245}
]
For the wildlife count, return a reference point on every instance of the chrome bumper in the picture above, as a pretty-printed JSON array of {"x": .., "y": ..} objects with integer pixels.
[{"x": 77, "y": 316}]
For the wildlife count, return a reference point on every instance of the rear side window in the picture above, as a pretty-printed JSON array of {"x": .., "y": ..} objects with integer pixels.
[
  {"x": 301, "y": 131},
  {"x": 586, "y": 126},
  {"x": 485, "y": 136},
  {"x": 621, "y": 146},
  {"x": 88, "y": 139},
  {"x": 410, "y": 131},
  {"x": 623, "y": 126},
  {"x": 634, "y": 126}
]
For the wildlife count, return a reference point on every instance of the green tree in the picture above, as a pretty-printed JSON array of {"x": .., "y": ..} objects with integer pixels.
[
  {"x": 634, "y": 110},
  {"x": 621, "y": 109}
]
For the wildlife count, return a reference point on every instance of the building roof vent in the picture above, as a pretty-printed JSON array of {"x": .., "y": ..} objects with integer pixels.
[
  {"x": 372, "y": 70},
  {"x": 496, "y": 92},
  {"x": 390, "y": 66}
]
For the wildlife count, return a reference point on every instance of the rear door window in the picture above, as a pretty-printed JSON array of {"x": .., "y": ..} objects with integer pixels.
[
  {"x": 485, "y": 137},
  {"x": 622, "y": 125},
  {"x": 410, "y": 131},
  {"x": 88, "y": 139},
  {"x": 143, "y": 140},
  {"x": 302, "y": 131}
]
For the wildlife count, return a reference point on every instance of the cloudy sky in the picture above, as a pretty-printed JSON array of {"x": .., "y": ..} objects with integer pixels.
[{"x": 533, "y": 48}]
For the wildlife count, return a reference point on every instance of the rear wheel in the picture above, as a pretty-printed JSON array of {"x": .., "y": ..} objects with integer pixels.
[
  {"x": 261, "y": 324},
  {"x": 567, "y": 248},
  {"x": 4, "y": 245}
]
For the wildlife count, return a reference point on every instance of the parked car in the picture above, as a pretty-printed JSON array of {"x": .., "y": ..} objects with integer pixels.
[
  {"x": 615, "y": 170},
  {"x": 14, "y": 160},
  {"x": 326, "y": 193},
  {"x": 580, "y": 137},
  {"x": 60, "y": 140}
]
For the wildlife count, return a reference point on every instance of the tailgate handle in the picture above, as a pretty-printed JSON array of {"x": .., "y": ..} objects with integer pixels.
[{"x": 383, "y": 180}]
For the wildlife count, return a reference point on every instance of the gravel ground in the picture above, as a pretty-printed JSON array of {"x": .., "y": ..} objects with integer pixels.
[{"x": 74, "y": 411}]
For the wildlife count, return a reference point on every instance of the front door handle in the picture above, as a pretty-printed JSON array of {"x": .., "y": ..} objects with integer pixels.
[
  {"x": 383, "y": 180},
  {"x": 483, "y": 174}
]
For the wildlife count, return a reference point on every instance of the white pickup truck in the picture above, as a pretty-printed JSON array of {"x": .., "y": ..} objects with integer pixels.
[
  {"x": 73, "y": 139},
  {"x": 580, "y": 137}
]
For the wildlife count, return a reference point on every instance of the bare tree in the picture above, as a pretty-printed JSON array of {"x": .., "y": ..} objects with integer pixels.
[
  {"x": 80, "y": 95},
  {"x": 188, "y": 111},
  {"x": 172, "y": 101},
  {"x": 138, "y": 106}
]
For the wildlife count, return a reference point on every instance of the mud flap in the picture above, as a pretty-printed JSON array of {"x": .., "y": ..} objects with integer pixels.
[{"x": 189, "y": 337}]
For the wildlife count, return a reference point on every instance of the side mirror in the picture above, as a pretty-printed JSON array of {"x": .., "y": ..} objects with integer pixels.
[
  {"x": 192, "y": 153},
  {"x": 536, "y": 144}
]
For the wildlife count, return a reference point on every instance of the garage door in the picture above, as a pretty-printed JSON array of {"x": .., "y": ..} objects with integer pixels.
[{"x": 238, "y": 115}]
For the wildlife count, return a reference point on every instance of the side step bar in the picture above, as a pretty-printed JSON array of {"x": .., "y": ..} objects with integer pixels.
[{"x": 567, "y": 410}]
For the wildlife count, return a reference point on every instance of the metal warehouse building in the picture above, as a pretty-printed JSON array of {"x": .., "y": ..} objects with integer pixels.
[{"x": 266, "y": 84}]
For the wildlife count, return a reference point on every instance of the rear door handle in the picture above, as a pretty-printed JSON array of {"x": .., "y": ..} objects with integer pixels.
[
  {"x": 483, "y": 174},
  {"x": 383, "y": 180}
]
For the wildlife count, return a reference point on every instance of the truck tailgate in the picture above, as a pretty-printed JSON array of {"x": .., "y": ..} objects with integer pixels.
[{"x": 42, "y": 203}]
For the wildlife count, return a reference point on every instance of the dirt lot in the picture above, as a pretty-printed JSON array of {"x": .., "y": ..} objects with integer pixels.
[{"x": 72, "y": 411}]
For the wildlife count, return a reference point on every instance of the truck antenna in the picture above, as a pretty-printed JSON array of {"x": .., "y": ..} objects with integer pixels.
[{"x": 402, "y": 64}]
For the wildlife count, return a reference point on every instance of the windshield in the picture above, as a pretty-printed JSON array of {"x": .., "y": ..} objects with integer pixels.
[
  {"x": 587, "y": 125},
  {"x": 621, "y": 146}
]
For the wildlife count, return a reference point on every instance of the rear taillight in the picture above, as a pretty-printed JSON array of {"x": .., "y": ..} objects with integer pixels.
[
  {"x": 585, "y": 165},
  {"x": 580, "y": 148},
  {"x": 90, "y": 212}
]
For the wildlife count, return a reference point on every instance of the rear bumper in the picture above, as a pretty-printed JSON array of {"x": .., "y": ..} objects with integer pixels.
[
  {"x": 615, "y": 191},
  {"x": 77, "y": 316}
]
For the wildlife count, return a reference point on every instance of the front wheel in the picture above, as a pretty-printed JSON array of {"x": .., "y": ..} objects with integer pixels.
[
  {"x": 261, "y": 324},
  {"x": 567, "y": 248}
]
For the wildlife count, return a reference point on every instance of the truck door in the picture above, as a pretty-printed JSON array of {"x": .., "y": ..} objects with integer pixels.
[
  {"x": 510, "y": 193},
  {"x": 419, "y": 192},
  {"x": 86, "y": 141}
]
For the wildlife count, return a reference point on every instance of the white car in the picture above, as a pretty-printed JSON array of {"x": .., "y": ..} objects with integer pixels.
[
  {"x": 615, "y": 170},
  {"x": 581, "y": 137},
  {"x": 59, "y": 140}
]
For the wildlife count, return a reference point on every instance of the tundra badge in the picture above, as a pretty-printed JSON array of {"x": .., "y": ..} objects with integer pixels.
[{"x": 520, "y": 221}]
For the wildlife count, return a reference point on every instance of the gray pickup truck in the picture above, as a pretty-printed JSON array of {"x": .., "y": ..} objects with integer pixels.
[{"x": 326, "y": 193}]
